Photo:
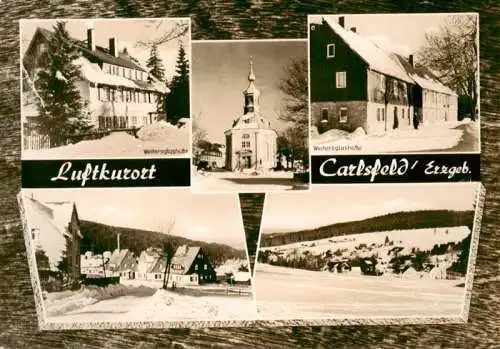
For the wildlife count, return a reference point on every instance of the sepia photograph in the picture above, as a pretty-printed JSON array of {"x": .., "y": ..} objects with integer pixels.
[
  {"x": 250, "y": 120},
  {"x": 113, "y": 256},
  {"x": 105, "y": 88},
  {"x": 394, "y": 83},
  {"x": 366, "y": 252}
]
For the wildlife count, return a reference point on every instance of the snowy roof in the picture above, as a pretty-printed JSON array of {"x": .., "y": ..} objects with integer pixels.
[
  {"x": 100, "y": 53},
  {"x": 184, "y": 257},
  {"x": 93, "y": 73},
  {"x": 377, "y": 58},
  {"x": 51, "y": 221},
  {"x": 242, "y": 276},
  {"x": 251, "y": 121},
  {"x": 424, "y": 76}
]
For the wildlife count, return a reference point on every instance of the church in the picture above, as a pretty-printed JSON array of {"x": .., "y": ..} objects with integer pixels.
[{"x": 251, "y": 141}]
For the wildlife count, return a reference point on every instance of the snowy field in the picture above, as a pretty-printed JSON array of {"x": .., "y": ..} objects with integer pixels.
[
  {"x": 286, "y": 293},
  {"x": 163, "y": 305},
  {"x": 427, "y": 138},
  {"x": 207, "y": 182},
  {"x": 423, "y": 239},
  {"x": 157, "y": 140}
]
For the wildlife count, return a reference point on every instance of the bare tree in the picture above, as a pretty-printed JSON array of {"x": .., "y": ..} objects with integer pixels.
[
  {"x": 294, "y": 86},
  {"x": 168, "y": 250},
  {"x": 452, "y": 51},
  {"x": 199, "y": 135},
  {"x": 179, "y": 30}
]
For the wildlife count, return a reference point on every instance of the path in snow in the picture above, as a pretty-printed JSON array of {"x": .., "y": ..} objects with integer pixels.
[
  {"x": 323, "y": 295},
  {"x": 426, "y": 138}
]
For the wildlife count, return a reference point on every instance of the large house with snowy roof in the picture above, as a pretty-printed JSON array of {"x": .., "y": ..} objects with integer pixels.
[
  {"x": 251, "y": 142},
  {"x": 354, "y": 83},
  {"x": 117, "y": 92},
  {"x": 189, "y": 266},
  {"x": 54, "y": 229}
]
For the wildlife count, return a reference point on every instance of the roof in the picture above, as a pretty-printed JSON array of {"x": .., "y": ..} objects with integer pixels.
[
  {"x": 386, "y": 62},
  {"x": 252, "y": 121},
  {"x": 424, "y": 77},
  {"x": 377, "y": 58},
  {"x": 99, "y": 53},
  {"x": 51, "y": 220},
  {"x": 184, "y": 257}
]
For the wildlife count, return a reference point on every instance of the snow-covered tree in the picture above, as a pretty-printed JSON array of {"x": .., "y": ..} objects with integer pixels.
[
  {"x": 155, "y": 64},
  {"x": 60, "y": 106},
  {"x": 452, "y": 52},
  {"x": 178, "y": 98}
]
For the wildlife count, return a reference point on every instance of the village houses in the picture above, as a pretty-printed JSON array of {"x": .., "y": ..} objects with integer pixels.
[
  {"x": 117, "y": 92},
  {"x": 357, "y": 84}
]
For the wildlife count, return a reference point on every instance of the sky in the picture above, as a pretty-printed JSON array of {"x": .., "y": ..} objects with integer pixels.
[
  {"x": 220, "y": 75},
  {"x": 209, "y": 218},
  {"x": 404, "y": 33},
  {"x": 128, "y": 34},
  {"x": 325, "y": 205}
]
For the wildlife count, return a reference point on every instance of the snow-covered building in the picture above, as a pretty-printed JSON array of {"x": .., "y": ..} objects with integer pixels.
[
  {"x": 122, "y": 263},
  {"x": 117, "y": 92},
  {"x": 357, "y": 84},
  {"x": 92, "y": 265},
  {"x": 147, "y": 262},
  {"x": 55, "y": 230},
  {"x": 251, "y": 142}
]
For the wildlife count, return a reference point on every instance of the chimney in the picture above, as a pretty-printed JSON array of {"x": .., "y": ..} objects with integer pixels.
[
  {"x": 410, "y": 59},
  {"x": 91, "y": 39},
  {"x": 118, "y": 241},
  {"x": 353, "y": 29},
  {"x": 113, "y": 47},
  {"x": 342, "y": 21}
]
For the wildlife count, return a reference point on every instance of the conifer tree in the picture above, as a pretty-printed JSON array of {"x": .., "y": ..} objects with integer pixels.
[
  {"x": 61, "y": 114},
  {"x": 178, "y": 98},
  {"x": 155, "y": 64}
]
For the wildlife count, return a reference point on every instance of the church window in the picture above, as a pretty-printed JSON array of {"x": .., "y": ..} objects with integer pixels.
[{"x": 245, "y": 135}]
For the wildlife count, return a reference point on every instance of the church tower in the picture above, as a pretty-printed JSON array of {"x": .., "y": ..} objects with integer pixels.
[
  {"x": 251, "y": 142},
  {"x": 251, "y": 93}
]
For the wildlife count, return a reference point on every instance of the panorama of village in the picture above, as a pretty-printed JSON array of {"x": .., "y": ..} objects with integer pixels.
[
  {"x": 105, "y": 88},
  {"x": 94, "y": 272},
  {"x": 375, "y": 90},
  {"x": 391, "y": 251}
]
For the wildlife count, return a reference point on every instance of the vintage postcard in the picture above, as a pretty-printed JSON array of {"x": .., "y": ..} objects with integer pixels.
[
  {"x": 105, "y": 88},
  {"x": 368, "y": 253},
  {"x": 394, "y": 83},
  {"x": 140, "y": 257},
  {"x": 250, "y": 120}
]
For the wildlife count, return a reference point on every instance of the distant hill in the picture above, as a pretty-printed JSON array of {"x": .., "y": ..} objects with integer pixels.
[
  {"x": 393, "y": 221},
  {"x": 99, "y": 237}
]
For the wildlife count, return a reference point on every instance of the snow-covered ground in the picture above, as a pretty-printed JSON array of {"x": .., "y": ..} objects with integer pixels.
[
  {"x": 286, "y": 293},
  {"x": 205, "y": 182},
  {"x": 428, "y": 137},
  {"x": 157, "y": 140},
  {"x": 163, "y": 305},
  {"x": 423, "y": 239}
]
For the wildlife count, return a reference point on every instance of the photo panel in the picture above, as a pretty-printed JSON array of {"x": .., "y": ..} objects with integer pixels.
[
  {"x": 376, "y": 90},
  {"x": 368, "y": 254},
  {"x": 139, "y": 257},
  {"x": 250, "y": 116}
]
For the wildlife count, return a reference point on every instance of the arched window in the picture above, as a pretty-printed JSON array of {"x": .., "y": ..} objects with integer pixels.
[{"x": 245, "y": 136}]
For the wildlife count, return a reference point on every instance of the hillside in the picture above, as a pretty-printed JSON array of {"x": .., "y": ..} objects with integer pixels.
[
  {"x": 389, "y": 222},
  {"x": 99, "y": 237}
]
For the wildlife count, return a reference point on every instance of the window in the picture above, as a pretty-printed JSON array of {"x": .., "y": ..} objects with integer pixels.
[
  {"x": 245, "y": 144},
  {"x": 343, "y": 115},
  {"x": 108, "y": 93},
  {"x": 341, "y": 79},
  {"x": 402, "y": 113},
  {"x": 245, "y": 136},
  {"x": 196, "y": 267},
  {"x": 378, "y": 114},
  {"x": 324, "y": 115},
  {"x": 42, "y": 48},
  {"x": 330, "y": 50},
  {"x": 205, "y": 267}
]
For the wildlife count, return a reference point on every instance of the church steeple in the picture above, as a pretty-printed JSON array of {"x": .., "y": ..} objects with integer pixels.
[{"x": 251, "y": 93}]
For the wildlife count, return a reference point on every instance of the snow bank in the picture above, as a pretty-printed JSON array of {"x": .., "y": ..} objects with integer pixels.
[
  {"x": 161, "y": 130},
  {"x": 427, "y": 137},
  {"x": 166, "y": 306}
]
